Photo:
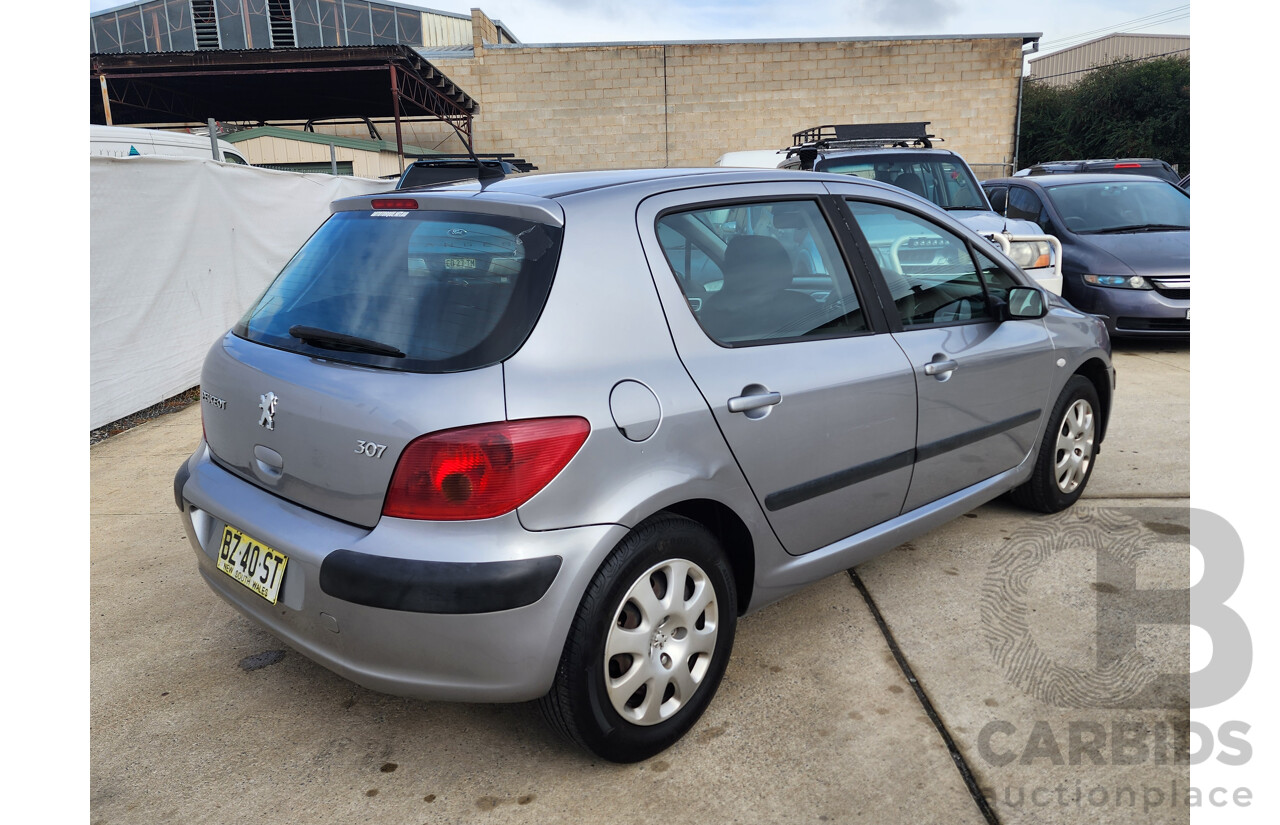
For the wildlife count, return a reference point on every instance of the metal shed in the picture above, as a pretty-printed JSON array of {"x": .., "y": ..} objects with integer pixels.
[{"x": 1066, "y": 66}]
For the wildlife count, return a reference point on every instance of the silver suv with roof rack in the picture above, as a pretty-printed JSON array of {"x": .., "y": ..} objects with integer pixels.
[
  {"x": 548, "y": 437},
  {"x": 903, "y": 155}
]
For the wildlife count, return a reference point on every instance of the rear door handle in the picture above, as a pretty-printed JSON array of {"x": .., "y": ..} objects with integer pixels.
[
  {"x": 747, "y": 403},
  {"x": 940, "y": 367}
]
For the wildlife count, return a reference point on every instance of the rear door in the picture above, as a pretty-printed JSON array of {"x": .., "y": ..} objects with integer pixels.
[
  {"x": 982, "y": 384},
  {"x": 815, "y": 399}
]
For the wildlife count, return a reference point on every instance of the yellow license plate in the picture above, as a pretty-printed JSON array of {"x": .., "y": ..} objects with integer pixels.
[{"x": 252, "y": 563}]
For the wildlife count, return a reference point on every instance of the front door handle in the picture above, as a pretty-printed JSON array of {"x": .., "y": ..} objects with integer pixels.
[
  {"x": 747, "y": 403},
  {"x": 940, "y": 367}
]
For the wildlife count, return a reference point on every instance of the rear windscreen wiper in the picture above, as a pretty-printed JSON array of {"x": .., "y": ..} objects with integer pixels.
[{"x": 328, "y": 339}]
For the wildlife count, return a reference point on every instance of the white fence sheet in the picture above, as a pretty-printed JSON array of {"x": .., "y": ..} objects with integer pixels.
[{"x": 179, "y": 248}]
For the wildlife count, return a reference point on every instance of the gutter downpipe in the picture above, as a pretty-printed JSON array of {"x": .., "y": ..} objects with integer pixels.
[{"x": 1017, "y": 126}]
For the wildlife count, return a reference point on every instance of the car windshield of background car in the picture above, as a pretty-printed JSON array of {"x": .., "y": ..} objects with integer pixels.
[
  {"x": 1137, "y": 206},
  {"x": 948, "y": 184}
]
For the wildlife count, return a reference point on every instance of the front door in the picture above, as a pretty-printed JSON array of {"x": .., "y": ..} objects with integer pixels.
[{"x": 982, "y": 384}]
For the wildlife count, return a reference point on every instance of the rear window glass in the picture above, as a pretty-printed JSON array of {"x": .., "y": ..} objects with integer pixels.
[{"x": 410, "y": 290}]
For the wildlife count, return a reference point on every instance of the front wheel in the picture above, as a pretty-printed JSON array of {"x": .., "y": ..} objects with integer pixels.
[
  {"x": 649, "y": 643},
  {"x": 1066, "y": 456}
]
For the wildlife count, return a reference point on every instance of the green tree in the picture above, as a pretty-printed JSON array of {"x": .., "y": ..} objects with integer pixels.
[{"x": 1124, "y": 109}]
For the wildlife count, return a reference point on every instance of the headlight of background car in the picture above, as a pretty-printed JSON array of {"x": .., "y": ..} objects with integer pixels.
[
  {"x": 1119, "y": 281},
  {"x": 1030, "y": 254}
]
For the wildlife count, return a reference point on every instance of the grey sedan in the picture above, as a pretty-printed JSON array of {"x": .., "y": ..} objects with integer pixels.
[
  {"x": 548, "y": 438},
  {"x": 1126, "y": 245}
]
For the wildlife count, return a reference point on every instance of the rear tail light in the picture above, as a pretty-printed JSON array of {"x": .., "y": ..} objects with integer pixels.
[
  {"x": 1127, "y": 166},
  {"x": 482, "y": 471}
]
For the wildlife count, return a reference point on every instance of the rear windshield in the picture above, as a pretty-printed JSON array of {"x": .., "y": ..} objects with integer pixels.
[{"x": 410, "y": 290}]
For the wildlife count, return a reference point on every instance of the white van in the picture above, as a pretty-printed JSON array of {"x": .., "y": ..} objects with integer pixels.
[
  {"x": 752, "y": 159},
  {"x": 125, "y": 141}
]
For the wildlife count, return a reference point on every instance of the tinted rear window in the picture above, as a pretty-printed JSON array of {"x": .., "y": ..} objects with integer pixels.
[{"x": 451, "y": 290}]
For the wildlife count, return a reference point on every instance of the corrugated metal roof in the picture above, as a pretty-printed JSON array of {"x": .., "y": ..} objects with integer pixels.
[
  {"x": 431, "y": 52},
  {"x": 313, "y": 137}
]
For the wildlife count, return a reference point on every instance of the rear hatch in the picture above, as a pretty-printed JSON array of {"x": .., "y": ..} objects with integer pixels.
[{"x": 391, "y": 322}]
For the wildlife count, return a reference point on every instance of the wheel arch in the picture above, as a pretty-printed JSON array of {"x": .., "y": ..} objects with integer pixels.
[
  {"x": 1097, "y": 373},
  {"x": 734, "y": 538}
]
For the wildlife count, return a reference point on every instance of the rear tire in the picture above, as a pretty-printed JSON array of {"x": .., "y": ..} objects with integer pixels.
[
  {"x": 1067, "y": 453},
  {"x": 649, "y": 644}
]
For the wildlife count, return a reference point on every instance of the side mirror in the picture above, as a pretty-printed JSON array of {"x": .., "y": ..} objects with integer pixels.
[{"x": 1025, "y": 304}]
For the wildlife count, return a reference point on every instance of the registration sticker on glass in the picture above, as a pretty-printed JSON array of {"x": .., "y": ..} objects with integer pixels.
[{"x": 250, "y": 562}]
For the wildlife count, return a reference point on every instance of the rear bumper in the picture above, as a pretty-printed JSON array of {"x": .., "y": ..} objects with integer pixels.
[{"x": 467, "y": 611}]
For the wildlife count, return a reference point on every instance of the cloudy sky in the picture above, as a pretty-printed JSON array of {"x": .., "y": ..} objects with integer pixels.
[{"x": 1063, "y": 23}]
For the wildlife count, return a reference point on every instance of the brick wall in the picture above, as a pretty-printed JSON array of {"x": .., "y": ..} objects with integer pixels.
[{"x": 618, "y": 106}]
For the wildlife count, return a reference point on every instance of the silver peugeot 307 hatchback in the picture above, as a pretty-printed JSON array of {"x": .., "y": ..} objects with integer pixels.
[{"x": 549, "y": 438}]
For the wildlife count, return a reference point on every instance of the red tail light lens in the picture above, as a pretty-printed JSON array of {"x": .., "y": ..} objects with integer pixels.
[
  {"x": 482, "y": 471},
  {"x": 1127, "y": 166}
]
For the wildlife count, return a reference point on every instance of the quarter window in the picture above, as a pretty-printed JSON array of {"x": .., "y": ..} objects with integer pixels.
[{"x": 759, "y": 272}]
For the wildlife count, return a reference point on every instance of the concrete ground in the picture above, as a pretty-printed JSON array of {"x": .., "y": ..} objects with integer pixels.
[{"x": 1010, "y": 713}]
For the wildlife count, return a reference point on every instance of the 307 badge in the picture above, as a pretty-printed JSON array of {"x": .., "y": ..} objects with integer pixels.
[{"x": 252, "y": 563}]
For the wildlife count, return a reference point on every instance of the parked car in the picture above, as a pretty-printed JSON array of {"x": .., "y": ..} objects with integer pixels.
[
  {"x": 1126, "y": 245},
  {"x": 548, "y": 438},
  {"x": 902, "y": 154},
  {"x": 1151, "y": 167}
]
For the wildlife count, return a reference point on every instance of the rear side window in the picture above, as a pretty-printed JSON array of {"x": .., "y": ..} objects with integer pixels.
[
  {"x": 761, "y": 272},
  {"x": 417, "y": 291}
]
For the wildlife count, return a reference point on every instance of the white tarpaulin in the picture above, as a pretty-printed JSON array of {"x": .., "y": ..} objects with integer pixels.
[{"x": 179, "y": 248}]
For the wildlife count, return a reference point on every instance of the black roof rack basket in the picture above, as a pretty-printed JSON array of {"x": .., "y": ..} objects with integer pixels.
[
  {"x": 520, "y": 164},
  {"x": 859, "y": 135},
  {"x": 428, "y": 170}
]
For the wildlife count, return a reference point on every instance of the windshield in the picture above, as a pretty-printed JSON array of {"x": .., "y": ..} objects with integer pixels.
[
  {"x": 411, "y": 290},
  {"x": 945, "y": 181},
  {"x": 1133, "y": 206}
]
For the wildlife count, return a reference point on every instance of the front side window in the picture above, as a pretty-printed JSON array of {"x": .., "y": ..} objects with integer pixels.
[
  {"x": 418, "y": 291},
  {"x": 930, "y": 272},
  {"x": 1025, "y": 205},
  {"x": 757, "y": 272}
]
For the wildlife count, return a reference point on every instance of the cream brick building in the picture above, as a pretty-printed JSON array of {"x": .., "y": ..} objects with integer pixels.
[{"x": 616, "y": 105}]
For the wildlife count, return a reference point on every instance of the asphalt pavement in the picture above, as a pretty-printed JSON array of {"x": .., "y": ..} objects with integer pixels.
[{"x": 1007, "y": 667}]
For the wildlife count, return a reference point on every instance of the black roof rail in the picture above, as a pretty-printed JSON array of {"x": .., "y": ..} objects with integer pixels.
[{"x": 863, "y": 135}]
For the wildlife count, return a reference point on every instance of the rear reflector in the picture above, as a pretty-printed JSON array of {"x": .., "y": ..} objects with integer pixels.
[
  {"x": 481, "y": 471},
  {"x": 395, "y": 203}
]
